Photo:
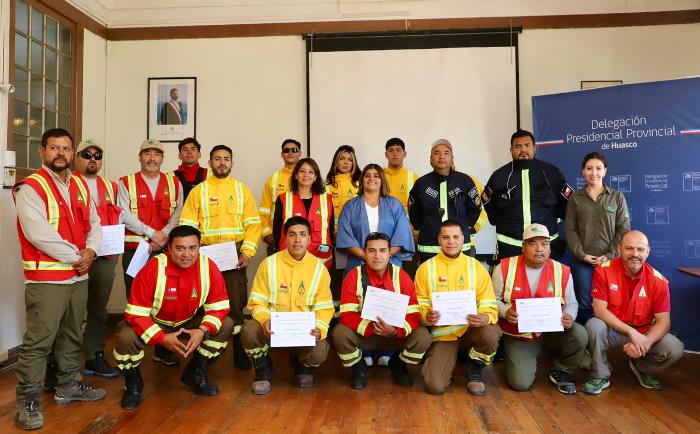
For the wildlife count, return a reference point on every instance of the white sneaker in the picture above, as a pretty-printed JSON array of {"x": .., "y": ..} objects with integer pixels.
[
  {"x": 369, "y": 361},
  {"x": 383, "y": 361}
]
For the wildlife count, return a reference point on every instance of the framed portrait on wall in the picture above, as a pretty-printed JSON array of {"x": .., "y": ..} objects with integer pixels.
[{"x": 172, "y": 108}]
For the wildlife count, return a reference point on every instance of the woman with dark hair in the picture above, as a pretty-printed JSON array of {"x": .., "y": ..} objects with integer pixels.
[
  {"x": 343, "y": 179},
  {"x": 596, "y": 219},
  {"x": 307, "y": 197},
  {"x": 373, "y": 210}
]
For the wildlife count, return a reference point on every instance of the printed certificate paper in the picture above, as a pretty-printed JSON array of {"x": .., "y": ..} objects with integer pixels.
[
  {"x": 387, "y": 305},
  {"x": 141, "y": 256},
  {"x": 454, "y": 306},
  {"x": 538, "y": 315},
  {"x": 112, "y": 240},
  {"x": 292, "y": 329},
  {"x": 224, "y": 255}
]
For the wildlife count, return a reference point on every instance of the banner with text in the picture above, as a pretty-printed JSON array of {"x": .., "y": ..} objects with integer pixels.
[{"x": 650, "y": 135}]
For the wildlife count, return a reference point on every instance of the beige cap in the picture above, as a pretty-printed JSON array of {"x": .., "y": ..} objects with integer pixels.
[
  {"x": 88, "y": 143},
  {"x": 151, "y": 144},
  {"x": 441, "y": 142},
  {"x": 535, "y": 230}
]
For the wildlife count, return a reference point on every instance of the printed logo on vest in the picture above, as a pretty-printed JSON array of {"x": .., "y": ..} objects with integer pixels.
[
  {"x": 403, "y": 189},
  {"x": 302, "y": 289},
  {"x": 165, "y": 193},
  {"x": 194, "y": 293},
  {"x": 550, "y": 289},
  {"x": 642, "y": 293},
  {"x": 230, "y": 199},
  {"x": 107, "y": 199},
  {"x": 350, "y": 194},
  {"x": 80, "y": 198},
  {"x": 461, "y": 281}
]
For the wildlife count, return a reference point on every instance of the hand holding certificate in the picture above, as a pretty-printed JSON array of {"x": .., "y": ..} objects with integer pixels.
[
  {"x": 112, "y": 240},
  {"x": 224, "y": 255},
  {"x": 292, "y": 329},
  {"x": 454, "y": 306},
  {"x": 539, "y": 315},
  {"x": 387, "y": 305}
]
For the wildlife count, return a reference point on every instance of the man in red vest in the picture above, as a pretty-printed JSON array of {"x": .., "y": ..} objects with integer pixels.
[
  {"x": 534, "y": 275},
  {"x": 151, "y": 203},
  {"x": 88, "y": 163},
  {"x": 632, "y": 308},
  {"x": 59, "y": 233}
]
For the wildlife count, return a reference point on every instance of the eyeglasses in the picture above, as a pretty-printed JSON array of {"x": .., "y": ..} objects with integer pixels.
[
  {"x": 290, "y": 150},
  {"x": 88, "y": 155}
]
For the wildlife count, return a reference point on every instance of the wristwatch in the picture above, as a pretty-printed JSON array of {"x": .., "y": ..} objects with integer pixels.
[{"x": 207, "y": 335}]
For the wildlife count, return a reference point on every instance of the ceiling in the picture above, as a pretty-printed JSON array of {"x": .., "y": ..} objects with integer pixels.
[{"x": 156, "y": 13}]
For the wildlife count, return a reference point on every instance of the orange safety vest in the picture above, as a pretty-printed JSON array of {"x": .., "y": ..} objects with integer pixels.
[
  {"x": 553, "y": 281},
  {"x": 154, "y": 213},
  {"x": 72, "y": 224},
  {"x": 107, "y": 209},
  {"x": 636, "y": 310},
  {"x": 319, "y": 216}
]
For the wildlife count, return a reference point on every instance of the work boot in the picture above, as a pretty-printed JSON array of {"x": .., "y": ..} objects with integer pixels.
[
  {"x": 263, "y": 375},
  {"x": 195, "y": 375},
  {"x": 240, "y": 358},
  {"x": 74, "y": 391},
  {"x": 28, "y": 412},
  {"x": 165, "y": 356},
  {"x": 399, "y": 372},
  {"x": 475, "y": 385},
  {"x": 303, "y": 375},
  {"x": 100, "y": 367},
  {"x": 359, "y": 375},
  {"x": 133, "y": 386},
  {"x": 50, "y": 380}
]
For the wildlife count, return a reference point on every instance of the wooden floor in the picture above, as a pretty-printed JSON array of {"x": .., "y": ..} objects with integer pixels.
[{"x": 332, "y": 407}]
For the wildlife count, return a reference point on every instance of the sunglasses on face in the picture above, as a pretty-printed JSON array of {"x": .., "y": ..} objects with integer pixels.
[
  {"x": 290, "y": 150},
  {"x": 88, "y": 155}
]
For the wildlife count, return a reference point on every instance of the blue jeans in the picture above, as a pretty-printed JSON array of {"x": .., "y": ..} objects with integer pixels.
[{"x": 582, "y": 274}]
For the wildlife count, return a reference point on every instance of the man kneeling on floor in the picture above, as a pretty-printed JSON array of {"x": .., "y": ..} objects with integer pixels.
[
  {"x": 354, "y": 335},
  {"x": 452, "y": 270},
  {"x": 632, "y": 308},
  {"x": 533, "y": 275},
  {"x": 178, "y": 300},
  {"x": 292, "y": 280}
]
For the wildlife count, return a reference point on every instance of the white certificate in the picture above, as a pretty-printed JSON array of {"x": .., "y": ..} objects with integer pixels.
[
  {"x": 224, "y": 255},
  {"x": 387, "y": 305},
  {"x": 112, "y": 240},
  {"x": 292, "y": 329},
  {"x": 454, "y": 306},
  {"x": 538, "y": 315},
  {"x": 141, "y": 256}
]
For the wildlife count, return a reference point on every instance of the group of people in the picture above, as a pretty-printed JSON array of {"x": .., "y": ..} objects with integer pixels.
[{"x": 328, "y": 241}]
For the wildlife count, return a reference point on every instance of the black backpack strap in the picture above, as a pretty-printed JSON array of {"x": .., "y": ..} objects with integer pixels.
[
  {"x": 200, "y": 175},
  {"x": 364, "y": 279}
]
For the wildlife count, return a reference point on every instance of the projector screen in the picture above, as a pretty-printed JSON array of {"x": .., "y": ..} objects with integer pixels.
[{"x": 467, "y": 95}]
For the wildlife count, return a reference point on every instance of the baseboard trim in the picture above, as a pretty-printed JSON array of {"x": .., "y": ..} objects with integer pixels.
[{"x": 11, "y": 362}]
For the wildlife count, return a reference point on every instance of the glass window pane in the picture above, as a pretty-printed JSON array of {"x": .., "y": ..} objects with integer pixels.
[
  {"x": 21, "y": 84},
  {"x": 50, "y": 94},
  {"x": 37, "y": 25},
  {"x": 20, "y": 146},
  {"x": 64, "y": 122},
  {"x": 21, "y": 16},
  {"x": 49, "y": 120},
  {"x": 64, "y": 34},
  {"x": 34, "y": 158},
  {"x": 63, "y": 98},
  {"x": 64, "y": 69},
  {"x": 19, "y": 120},
  {"x": 35, "y": 122},
  {"x": 51, "y": 71},
  {"x": 37, "y": 58},
  {"x": 51, "y": 32},
  {"x": 36, "y": 86},
  {"x": 20, "y": 50}
]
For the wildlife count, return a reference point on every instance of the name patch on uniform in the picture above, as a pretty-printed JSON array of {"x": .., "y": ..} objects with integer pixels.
[{"x": 432, "y": 193}]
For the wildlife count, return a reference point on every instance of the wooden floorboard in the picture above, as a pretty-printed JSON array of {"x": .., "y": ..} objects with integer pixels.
[{"x": 333, "y": 407}]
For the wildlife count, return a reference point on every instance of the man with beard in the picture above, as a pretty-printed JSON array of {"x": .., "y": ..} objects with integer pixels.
[
  {"x": 59, "y": 233},
  {"x": 88, "y": 163},
  {"x": 632, "y": 308},
  {"x": 224, "y": 209},
  {"x": 522, "y": 192}
]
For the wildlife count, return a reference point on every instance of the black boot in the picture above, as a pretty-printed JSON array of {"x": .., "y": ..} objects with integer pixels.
[
  {"x": 195, "y": 375},
  {"x": 304, "y": 375},
  {"x": 359, "y": 375},
  {"x": 133, "y": 385},
  {"x": 399, "y": 372},
  {"x": 475, "y": 384},
  {"x": 263, "y": 375},
  {"x": 240, "y": 358}
]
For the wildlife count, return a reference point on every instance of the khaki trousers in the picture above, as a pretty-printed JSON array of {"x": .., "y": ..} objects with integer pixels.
[
  {"x": 350, "y": 345},
  {"x": 99, "y": 289},
  {"x": 55, "y": 314},
  {"x": 237, "y": 288},
  {"x": 441, "y": 358},
  {"x": 257, "y": 345}
]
